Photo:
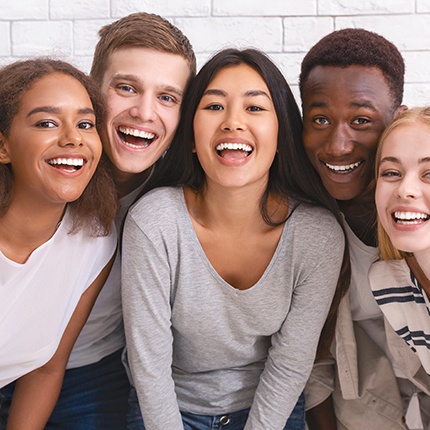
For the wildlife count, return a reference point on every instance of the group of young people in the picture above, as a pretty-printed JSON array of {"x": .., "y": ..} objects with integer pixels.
[{"x": 236, "y": 293}]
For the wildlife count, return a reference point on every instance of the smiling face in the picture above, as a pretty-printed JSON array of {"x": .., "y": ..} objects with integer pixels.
[
  {"x": 52, "y": 144},
  {"x": 236, "y": 129},
  {"x": 144, "y": 90},
  {"x": 345, "y": 111},
  {"x": 403, "y": 188}
]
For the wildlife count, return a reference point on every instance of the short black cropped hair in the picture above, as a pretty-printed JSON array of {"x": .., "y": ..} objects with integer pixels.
[{"x": 357, "y": 47}]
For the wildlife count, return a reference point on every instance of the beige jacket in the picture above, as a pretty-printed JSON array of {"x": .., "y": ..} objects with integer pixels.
[{"x": 361, "y": 379}]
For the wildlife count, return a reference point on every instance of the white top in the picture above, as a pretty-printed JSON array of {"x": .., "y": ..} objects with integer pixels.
[
  {"x": 405, "y": 305},
  {"x": 39, "y": 297},
  {"x": 103, "y": 333}
]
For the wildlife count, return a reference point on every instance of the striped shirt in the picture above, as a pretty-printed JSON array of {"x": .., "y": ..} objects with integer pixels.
[{"x": 404, "y": 304}]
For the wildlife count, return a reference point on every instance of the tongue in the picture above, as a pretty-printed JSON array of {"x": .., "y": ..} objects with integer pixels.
[
  {"x": 137, "y": 141},
  {"x": 233, "y": 154}
]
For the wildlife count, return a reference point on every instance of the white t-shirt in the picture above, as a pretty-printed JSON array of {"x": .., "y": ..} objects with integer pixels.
[
  {"x": 103, "y": 333},
  {"x": 39, "y": 297}
]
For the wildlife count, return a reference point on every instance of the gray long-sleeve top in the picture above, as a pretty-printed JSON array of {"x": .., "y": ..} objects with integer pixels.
[{"x": 199, "y": 345}]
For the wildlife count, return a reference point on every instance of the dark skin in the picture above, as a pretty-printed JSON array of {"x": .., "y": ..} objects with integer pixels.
[{"x": 345, "y": 111}]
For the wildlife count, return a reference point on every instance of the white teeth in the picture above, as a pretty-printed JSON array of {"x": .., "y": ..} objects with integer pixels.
[
  {"x": 234, "y": 146},
  {"x": 345, "y": 168},
  {"x": 67, "y": 161},
  {"x": 136, "y": 133},
  {"x": 411, "y": 216}
]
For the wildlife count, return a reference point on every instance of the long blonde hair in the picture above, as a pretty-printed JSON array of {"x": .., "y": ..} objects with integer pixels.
[{"x": 407, "y": 117}]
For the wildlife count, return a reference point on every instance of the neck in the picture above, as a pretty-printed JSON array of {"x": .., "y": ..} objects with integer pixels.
[
  {"x": 127, "y": 182},
  {"x": 23, "y": 229},
  {"x": 237, "y": 209},
  {"x": 361, "y": 218}
]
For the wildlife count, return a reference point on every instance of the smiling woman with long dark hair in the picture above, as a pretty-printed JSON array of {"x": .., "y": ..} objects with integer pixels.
[{"x": 229, "y": 269}]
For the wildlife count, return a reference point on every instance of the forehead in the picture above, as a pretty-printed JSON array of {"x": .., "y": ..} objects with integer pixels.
[
  {"x": 332, "y": 86},
  {"x": 146, "y": 63},
  {"x": 240, "y": 78},
  {"x": 409, "y": 140},
  {"x": 56, "y": 88}
]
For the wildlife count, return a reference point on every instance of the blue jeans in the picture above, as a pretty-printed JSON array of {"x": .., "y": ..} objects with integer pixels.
[
  {"x": 230, "y": 421},
  {"x": 93, "y": 397}
]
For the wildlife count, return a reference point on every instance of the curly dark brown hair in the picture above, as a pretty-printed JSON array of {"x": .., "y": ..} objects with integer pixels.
[
  {"x": 357, "y": 47},
  {"x": 96, "y": 208}
]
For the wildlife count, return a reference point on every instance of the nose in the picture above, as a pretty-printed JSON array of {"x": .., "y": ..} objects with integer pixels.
[
  {"x": 233, "y": 120},
  {"x": 144, "y": 108},
  {"x": 408, "y": 188},
  {"x": 71, "y": 136},
  {"x": 340, "y": 141}
]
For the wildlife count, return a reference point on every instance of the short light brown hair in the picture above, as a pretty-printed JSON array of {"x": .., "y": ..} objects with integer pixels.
[
  {"x": 407, "y": 117},
  {"x": 140, "y": 30}
]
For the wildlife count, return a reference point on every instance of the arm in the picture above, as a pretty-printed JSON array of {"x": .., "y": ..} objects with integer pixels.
[
  {"x": 145, "y": 288},
  {"x": 291, "y": 356},
  {"x": 322, "y": 416},
  {"x": 36, "y": 393}
]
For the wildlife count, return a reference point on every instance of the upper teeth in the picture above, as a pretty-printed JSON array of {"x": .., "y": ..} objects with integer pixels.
[
  {"x": 136, "y": 133},
  {"x": 235, "y": 146},
  {"x": 67, "y": 161},
  {"x": 410, "y": 215},
  {"x": 343, "y": 168}
]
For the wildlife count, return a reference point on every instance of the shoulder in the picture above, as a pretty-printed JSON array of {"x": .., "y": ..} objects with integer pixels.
[
  {"x": 158, "y": 205},
  {"x": 385, "y": 273},
  {"x": 316, "y": 222}
]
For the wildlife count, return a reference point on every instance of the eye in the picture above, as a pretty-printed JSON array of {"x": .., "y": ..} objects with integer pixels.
[
  {"x": 320, "y": 120},
  {"x": 389, "y": 173},
  {"x": 125, "y": 88},
  {"x": 166, "y": 98},
  {"x": 361, "y": 121},
  {"x": 255, "y": 108},
  {"x": 214, "y": 107},
  {"x": 86, "y": 125},
  {"x": 46, "y": 124}
]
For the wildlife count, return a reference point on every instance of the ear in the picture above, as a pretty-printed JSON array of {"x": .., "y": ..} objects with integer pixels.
[
  {"x": 399, "y": 110},
  {"x": 4, "y": 154}
]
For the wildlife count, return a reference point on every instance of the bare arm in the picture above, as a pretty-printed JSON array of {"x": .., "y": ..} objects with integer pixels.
[
  {"x": 322, "y": 416},
  {"x": 36, "y": 393}
]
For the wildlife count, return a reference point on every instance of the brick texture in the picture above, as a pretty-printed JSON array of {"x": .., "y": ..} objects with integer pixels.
[{"x": 285, "y": 29}]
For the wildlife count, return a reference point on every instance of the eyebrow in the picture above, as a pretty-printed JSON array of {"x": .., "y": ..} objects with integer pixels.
[
  {"x": 250, "y": 93},
  {"x": 358, "y": 104},
  {"x": 397, "y": 161},
  {"x": 134, "y": 79},
  {"x": 56, "y": 110}
]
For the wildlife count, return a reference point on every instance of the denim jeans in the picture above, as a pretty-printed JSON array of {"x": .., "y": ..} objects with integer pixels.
[
  {"x": 93, "y": 397},
  {"x": 230, "y": 421}
]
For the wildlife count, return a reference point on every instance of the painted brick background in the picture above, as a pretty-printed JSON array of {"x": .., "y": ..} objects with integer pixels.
[{"x": 285, "y": 29}]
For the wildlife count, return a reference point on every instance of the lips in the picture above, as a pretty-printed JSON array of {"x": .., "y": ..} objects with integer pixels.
[
  {"x": 410, "y": 218},
  {"x": 234, "y": 151},
  {"x": 70, "y": 164},
  {"x": 135, "y": 138},
  {"x": 342, "y": 169}
]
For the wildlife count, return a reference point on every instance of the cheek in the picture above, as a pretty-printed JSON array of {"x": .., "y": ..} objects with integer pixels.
[{"x": 382, "y": 196}]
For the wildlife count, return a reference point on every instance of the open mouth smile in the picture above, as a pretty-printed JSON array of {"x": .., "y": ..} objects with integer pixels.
[
  {"x": 234, "y": 151},
  {"x": 410, "y": 218},
  {"x": 343, "y": 169},
  {"x": 67, "y": 164},
  {"x": 134, "y": 138}
]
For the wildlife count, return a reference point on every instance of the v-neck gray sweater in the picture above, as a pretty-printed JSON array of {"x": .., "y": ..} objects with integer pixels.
[{"x": 197, "y": 344}]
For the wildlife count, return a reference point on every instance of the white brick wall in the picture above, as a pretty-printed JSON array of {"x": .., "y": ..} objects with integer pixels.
[{"x": 285, "y": 29}]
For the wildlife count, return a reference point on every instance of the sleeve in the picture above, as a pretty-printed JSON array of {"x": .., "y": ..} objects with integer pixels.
[
  {"x": 320, "y": 384},
  {"x": 293, "y": 349},
  {"x": 147, "y": 320}
]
